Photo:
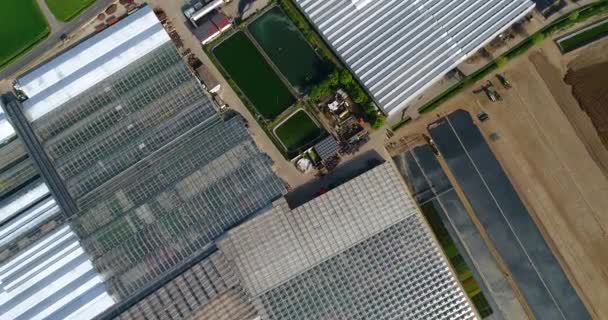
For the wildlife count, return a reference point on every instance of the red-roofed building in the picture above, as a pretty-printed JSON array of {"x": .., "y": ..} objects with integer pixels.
[
  {"x": 221, "y": 21},
  {"x": 211, "y": 26}
]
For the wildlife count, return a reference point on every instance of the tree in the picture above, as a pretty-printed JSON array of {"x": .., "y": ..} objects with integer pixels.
[
  {"x": 320, "y": 91},
  {"x": 334, "y": 78},
  {"x": 501, "y": 61},
  {"x": 378, "y": 121},
  {"x": 346, "y": 78},
  {"x": 574, "y": 16},
  {"x": 538, "y": 38},
  {"x": 368, "y": 108},
  {"x": 358, "y": 95}
]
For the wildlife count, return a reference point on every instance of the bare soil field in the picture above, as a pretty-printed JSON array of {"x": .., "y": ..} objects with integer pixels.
[
  {"x": 553, "y": 68},
  {"x": 556, "y": 161},
  {"x": 590, "y": 89}
]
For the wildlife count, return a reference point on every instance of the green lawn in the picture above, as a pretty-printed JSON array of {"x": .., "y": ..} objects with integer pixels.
[
  {"x": 297, "y": 131},
  {"x": 288, "y": 50},
  {"x": 23, "y": 25},
  {"x": 253, "y": 76},
  {"x": 66, "y": 10},
  {"x": 596, "y": 32}
]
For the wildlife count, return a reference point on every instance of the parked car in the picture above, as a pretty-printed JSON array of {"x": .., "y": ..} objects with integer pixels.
[{"x": 482, "y": 116}]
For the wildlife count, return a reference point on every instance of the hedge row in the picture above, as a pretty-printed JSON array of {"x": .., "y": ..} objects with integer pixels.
[
  {"x": 401, "y": 123},
  {"x": 562, "y": 23}
]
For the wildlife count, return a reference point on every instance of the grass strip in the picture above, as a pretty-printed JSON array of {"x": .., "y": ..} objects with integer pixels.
[
  {"x": 576, "y": 41},
  {"x": 66, "y": 10}
]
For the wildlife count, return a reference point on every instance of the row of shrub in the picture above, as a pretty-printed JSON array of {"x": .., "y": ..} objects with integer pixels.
[
  {"x": 401, "y": 123},
  {"x": 563, "y": 23}
]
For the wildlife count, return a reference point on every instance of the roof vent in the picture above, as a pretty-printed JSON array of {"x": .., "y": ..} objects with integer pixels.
[{"x": 360, "y": 4}]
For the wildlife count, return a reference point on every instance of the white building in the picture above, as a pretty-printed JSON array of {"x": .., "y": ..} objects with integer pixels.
[{"x": 398, "y": 48}]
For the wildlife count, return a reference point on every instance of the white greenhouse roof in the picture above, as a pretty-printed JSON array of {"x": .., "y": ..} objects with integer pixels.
[
  {"x": 280, "y": 243},
  {"x": 398, "y": 48},
  {"x": 53, "y": 279},
  {"x": 28, "y": 220},
  {"x": 21, "y": 200},
  {"x": 91, "y": 61},
  {"x": 6, "y": 129},
  {"x": 282, "y": 250}
]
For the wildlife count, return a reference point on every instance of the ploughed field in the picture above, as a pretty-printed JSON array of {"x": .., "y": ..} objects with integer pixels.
[{"x": 589, "y": 88}]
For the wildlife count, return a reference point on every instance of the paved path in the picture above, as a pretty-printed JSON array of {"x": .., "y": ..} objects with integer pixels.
[
  {"x": 53, "y": 22},
  {"x": 58, "y": 28}
]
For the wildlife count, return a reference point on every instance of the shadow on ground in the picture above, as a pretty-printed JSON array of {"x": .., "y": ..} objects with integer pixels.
[{"x": 340, "y": 175}]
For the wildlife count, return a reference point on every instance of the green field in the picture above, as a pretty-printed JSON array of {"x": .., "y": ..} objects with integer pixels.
[
  {"x": 253, "y": 76},
  {"x": 297, "y": 131},
  {"x": 23, "y": 25},
  {"x": 598, "y": 31},
  {"x": 66, "y": 10},
  {"x": 456, "y": 260},
  {"x": 288, "y": 49}
]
